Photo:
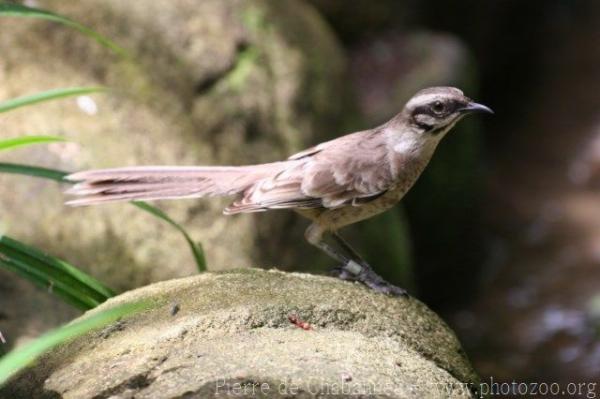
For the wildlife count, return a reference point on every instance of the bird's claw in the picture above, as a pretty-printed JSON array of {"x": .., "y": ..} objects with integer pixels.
[
  {"x": 342, "y": 274},
  {"x": 366, "y": 276},
  {"x": 386, "y": 288}
]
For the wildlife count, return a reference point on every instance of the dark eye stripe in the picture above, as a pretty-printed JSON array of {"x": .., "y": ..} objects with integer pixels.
[
  {"x": 451, "y": 107},
  {"x": 423, "y": 110},
  {"x": 434, "y": 129}
]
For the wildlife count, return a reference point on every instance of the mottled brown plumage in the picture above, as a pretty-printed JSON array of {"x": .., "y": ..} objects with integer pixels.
[{"x": 334, "y": 184}]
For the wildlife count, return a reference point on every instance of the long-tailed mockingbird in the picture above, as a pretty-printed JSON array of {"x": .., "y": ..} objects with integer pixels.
[{"x": 334, "y": 184}]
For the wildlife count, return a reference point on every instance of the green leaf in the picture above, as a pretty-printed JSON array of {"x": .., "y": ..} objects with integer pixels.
[
  {"x": 196, "y": 249},
  {"x": 18, "y": 10},
  {"x": 18, "y": 359},
  {"x": 33, "y": 171},
  {"x": 48, "y": 95},
  {"x": 27, "y": 140},
  {"x": 58, "y": 176},
  {"x": 36, "y": 277},
  {"x": 63, "y": 279}
]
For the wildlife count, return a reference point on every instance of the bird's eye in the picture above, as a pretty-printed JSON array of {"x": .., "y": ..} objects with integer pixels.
[{"x": 438, "y": 107}]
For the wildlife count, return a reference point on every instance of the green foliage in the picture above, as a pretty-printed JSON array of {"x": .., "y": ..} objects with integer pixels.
[
  {"x": 196, "y": 249},
  {"x": 27, "y": 140},
  {"x": 59, "y": 277},
  {"x": 20, "y": 358},
  {"x": 246, "y": 63},
  {"x": 54, "y": 94},
  {"x": 21, "y": 11},
  {"x": 33, "y": 171}
]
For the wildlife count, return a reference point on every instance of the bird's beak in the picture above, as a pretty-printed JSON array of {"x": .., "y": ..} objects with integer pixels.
[{"x": 475, "y": 107}]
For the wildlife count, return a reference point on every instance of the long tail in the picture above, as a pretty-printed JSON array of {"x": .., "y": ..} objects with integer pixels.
[{"x": 164, "y": 182}]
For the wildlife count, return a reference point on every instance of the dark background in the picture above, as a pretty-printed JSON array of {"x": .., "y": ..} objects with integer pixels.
[{"x": 512, "y": 261}]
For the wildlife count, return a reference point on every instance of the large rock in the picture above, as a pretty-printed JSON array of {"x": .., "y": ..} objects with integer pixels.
[{"x": 241, "y": 332}]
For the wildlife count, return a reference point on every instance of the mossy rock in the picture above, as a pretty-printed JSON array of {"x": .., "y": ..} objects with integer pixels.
[{"x": 267, "y": 332}]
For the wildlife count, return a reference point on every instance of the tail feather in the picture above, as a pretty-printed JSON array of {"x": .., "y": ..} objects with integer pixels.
[
  {"x": 87, "y": 189},
  {"x": 151, "y": 183}
]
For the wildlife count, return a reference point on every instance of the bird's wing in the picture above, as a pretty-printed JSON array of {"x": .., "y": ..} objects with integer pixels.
[{"x": 350, "y": 170}]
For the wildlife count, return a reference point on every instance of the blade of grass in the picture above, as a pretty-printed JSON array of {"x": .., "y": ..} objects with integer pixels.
[
  {"x": 41, "y": 282},
  {"x": 18, "y": 10},
  {"x": 49, "y": 272},
  {"x": 33, "y": 171},
  {"x": 48, "y": 95},
  {"x": 89, "y": 284},
  {"x": 58, "y": 176},
  {"x": 196, "y": 249},
  {"x": 28, "y": 140},
  {"x": 44, "y": 277},
  {"x": 18, "y": 359}
]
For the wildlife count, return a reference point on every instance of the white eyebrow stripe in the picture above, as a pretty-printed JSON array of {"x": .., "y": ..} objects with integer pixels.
[
  {"x": 428, "y": 96},
  {"x": 423, "y": 99}
]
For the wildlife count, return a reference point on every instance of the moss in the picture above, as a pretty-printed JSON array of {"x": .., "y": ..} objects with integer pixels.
[
  {"x": 254, "y": 18},
  {"x": 246, "y": 62}
]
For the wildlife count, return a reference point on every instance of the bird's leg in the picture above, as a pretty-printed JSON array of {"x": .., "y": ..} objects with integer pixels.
[
  {"x": 346, "y": 246},
  {"x": 366, "y": 275},
  {"x": 353, "y": 267},
  {"x": 314, "y": 235},
  {"x": 348, "y": 271}
]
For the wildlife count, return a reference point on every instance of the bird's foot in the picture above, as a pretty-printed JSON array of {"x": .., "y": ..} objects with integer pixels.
[
  {"x": 342, "y": 274},
  {"x": 362, "y": 272},
  {"x": 384, "y": 287}
]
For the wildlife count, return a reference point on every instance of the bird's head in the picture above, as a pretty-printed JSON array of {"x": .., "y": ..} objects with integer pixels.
[{"x": 435, "y": 110}]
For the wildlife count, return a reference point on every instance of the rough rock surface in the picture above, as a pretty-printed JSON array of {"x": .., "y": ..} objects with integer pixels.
[{"x": 236, "y": 328}]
